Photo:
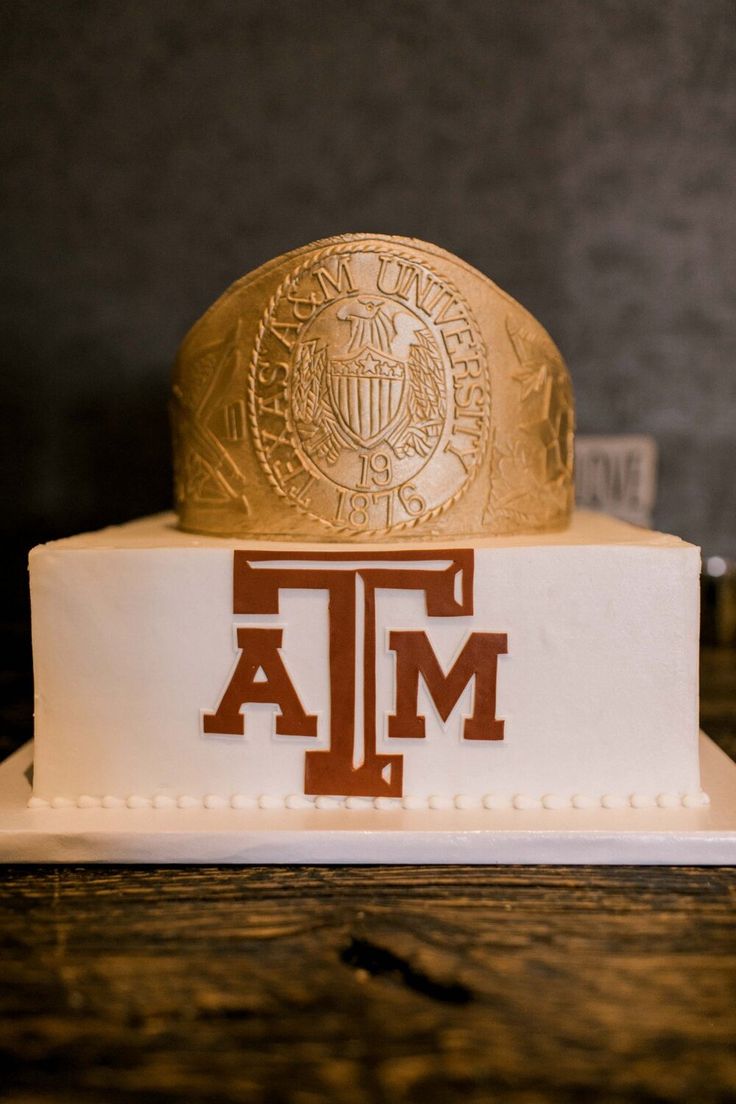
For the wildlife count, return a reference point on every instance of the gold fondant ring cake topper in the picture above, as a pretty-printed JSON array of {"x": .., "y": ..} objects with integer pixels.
[{"x": 370, "y": 387}]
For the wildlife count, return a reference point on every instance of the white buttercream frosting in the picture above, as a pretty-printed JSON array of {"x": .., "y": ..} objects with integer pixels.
[{"x": 598, "y": 690}]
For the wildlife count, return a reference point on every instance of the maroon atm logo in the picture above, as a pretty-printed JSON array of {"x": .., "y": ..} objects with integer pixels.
[{"x": 261, "y": 675}]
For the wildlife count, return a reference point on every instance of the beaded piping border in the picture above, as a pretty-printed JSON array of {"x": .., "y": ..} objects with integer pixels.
[{"x": 695, "y": 800}]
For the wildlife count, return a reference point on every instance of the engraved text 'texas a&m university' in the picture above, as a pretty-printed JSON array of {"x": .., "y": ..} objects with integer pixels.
[{"x": 369, "y": 398}]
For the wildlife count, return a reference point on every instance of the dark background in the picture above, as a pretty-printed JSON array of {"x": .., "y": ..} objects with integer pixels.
[{"x": 580, "y": 152}]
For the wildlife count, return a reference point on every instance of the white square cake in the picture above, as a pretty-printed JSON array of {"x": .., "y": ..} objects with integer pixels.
[{"x": 173, "y": 668}]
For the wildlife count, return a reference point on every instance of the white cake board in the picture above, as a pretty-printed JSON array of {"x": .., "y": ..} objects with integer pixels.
[{"x": 679, "y": 837}]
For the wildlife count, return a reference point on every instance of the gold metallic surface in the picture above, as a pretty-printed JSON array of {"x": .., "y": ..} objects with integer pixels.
[{"x": 374, "y": 387}]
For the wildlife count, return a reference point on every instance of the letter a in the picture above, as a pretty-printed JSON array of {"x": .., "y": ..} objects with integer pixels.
[
  {"x": 478, "y": 660},
  {"x": 260, "y": 651}
]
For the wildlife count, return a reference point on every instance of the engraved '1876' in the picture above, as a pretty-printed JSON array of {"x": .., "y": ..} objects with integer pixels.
[{"x": 369, "y": 396}]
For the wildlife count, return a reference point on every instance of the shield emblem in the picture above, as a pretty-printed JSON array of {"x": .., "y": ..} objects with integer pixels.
[{"x": 367, "y": 394}]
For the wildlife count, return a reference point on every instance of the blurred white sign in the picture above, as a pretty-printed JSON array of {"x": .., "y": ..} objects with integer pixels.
[{"x": 617, "y": 475}]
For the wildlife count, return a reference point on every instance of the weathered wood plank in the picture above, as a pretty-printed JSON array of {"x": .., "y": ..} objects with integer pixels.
[{"x": 365, "y": 984}]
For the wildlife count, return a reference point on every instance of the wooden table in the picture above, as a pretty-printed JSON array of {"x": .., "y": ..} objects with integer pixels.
[{"x": 522, "y": 984}]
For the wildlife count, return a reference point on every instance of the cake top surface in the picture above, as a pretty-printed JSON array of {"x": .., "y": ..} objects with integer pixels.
[
  {"x": 160, "y": 531},
  {"x": 370, "y": 387}
]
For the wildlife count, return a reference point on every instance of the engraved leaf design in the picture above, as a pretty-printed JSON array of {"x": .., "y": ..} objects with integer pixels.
[
  {"x": 425, "y": 409},
  {"x": 425, "y": 379},
  {"x": 309, "y": 367},
  {"x": 536, "y": 365},
  {"x": 323, "y": 437}
]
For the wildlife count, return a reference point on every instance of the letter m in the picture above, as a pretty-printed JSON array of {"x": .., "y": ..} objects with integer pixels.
[
  {"x": 333, "y": 283},
  {"x": 478, "y": 660}
]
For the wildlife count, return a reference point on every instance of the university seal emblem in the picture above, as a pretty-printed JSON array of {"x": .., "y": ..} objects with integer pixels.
[
  {"x": 370, "y": 388},
  {"x": 359, "y": 402}
]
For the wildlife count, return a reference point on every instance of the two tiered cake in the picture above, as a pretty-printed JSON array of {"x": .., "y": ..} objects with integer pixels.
[{"x": 376, "y": 592}]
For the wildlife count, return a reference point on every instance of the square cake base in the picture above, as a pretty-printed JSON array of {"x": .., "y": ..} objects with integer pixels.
[
  {"x": 179, "y": 670},
  {"x": 677, "y": 836}
]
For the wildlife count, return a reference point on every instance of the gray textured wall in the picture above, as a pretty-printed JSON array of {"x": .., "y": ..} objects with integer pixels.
[{"x": 581, "y": 153}]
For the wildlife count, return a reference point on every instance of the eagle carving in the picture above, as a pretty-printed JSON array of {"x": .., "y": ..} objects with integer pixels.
[{"x": 359, "y": 391}]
